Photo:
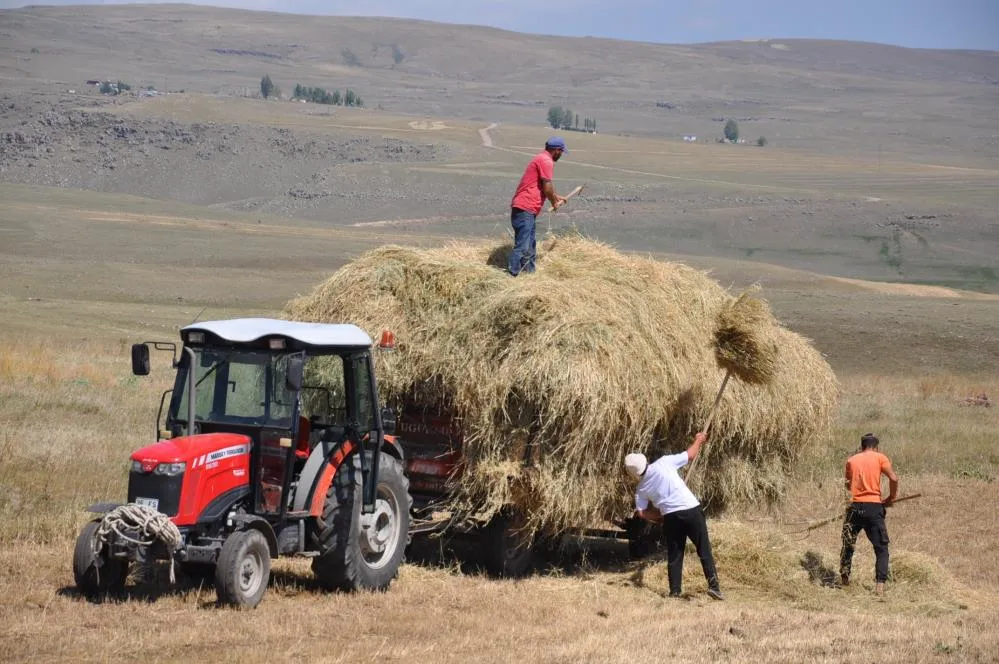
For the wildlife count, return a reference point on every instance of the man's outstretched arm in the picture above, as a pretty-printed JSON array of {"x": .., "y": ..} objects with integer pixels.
[
  {"x": 892, "y": 485},
  {"x": 695, "y": 447},
  {"x": 548, "y": 189}
]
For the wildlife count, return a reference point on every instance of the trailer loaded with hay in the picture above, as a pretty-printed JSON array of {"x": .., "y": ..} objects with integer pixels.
[{"x": 518, "y": 398}]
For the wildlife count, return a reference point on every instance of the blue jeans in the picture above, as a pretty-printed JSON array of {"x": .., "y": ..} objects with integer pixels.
[{"x": 524, "y": 245}]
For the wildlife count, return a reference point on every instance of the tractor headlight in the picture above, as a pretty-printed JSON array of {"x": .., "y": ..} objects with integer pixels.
[
  {"x": 136, "y": 466},
  {"x": 170, "y": 469}
]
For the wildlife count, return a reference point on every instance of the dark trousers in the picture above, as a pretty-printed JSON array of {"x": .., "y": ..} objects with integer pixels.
[
  {"x": 524, "y": 245},
  {"x": 869, "y": 517},
  {"x": 678, "y": 527}
]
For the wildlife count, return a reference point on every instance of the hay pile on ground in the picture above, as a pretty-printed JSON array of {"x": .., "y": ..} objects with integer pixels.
[
  {"x": 555, "y": 376},
  {"x": 754, "y": 558}
]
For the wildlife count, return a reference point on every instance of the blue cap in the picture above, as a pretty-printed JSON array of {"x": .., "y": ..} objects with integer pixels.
[{"x": 556, "y": 142}]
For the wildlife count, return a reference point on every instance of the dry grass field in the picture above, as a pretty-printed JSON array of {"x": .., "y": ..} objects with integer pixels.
[
  {"x": 869, "y": 220},
  {"x": 72, "y": 413}
]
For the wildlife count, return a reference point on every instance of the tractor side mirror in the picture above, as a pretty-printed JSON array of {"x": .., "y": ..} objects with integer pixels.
[
  {"x": 388, "y": 421},
  {"x": 296, "y": 369},
  {"x": 140, "y": 359}
]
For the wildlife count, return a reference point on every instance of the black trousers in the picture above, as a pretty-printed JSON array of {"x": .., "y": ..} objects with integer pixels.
[
  {"x": 869, "y": 517},
  {"x": 678, "y": 527}
]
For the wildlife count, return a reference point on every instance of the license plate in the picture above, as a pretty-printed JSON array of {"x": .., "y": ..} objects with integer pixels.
[{"x": 152, "y": 503}]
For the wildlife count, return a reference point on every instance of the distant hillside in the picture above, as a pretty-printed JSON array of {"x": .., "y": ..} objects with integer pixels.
[{"x": 939, "y": 103}]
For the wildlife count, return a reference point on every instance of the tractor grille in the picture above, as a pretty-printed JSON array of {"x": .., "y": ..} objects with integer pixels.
[{"x": 159, "y": 487}]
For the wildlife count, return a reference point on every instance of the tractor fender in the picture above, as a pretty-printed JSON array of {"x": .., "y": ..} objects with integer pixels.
[
  {"x": 392, "y": 446},
  {"x": 251, "y": 522},
  {"x": 318, "y": 472},
  {"x": 222, "y": 504}
]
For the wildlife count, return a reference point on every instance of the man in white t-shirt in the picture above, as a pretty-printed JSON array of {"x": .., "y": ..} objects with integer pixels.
[{"x": 660, "y": 485}]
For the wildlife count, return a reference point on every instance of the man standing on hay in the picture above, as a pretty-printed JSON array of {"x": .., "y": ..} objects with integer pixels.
[
  {"x": 682, "y": 517},
  {"x": 867, "y": 509},
  {"x": 535, "y": 186}
]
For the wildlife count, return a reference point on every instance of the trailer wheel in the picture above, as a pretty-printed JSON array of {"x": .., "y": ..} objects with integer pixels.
[
  {"x": 97, "y": 575},
  {"x": 644, "y": 538},
  {"x": 506, "y": 550},
  {"x": 354, "y": 558},
  {"x": 243, "y": 569}
]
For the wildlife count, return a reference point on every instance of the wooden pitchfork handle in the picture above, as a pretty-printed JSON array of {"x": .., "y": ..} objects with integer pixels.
[
  {"x": 838, "y": 516},
  {"x": 711, "y": 416},
  {"x": 568, "y": 196},
  {"x": 714, "y": 407}
]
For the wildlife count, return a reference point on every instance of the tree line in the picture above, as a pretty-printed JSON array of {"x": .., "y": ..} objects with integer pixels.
[
  {"x": 323, "y": 96},
  {"x": 316, "y": 95},
  {"x": 564, "y": 118}
]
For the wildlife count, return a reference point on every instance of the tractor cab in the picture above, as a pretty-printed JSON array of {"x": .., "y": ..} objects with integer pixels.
[
  {"x": 255, "y": 387},
  {"x": 272, "y": 427}
]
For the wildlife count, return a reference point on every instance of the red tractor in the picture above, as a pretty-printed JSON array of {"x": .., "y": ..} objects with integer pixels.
[{"x": 252, "y": 462}]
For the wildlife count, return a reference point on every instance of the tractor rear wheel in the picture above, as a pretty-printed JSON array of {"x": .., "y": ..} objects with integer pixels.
[
  {"x": 243, "y": 569},
  {"x": 352, "y": 557},
  {"x": 97, "y": 575}
]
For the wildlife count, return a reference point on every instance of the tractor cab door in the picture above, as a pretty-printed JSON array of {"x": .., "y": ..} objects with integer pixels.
[
  {"x": 275, "y": 459},
  {"x": 364, "y": 427}
]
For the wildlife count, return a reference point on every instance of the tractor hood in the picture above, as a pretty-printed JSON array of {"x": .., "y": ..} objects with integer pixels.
[{"x": 202, "y": 448}]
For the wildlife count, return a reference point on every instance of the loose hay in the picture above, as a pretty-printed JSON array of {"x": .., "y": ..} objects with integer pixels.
[
  {"x": 756, "y": 559},
  {"x": 742, "y": 345},
  {"x": 554, "y": 376}
]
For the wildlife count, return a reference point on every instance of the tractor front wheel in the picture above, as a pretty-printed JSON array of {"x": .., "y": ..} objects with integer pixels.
[
  {"x": 97, "y": 574},
  {"x": 352, "y": 556},
  {"x": 243, "y": 569}
]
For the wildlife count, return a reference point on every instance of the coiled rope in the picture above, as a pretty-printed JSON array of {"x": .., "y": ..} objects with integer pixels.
[{"x": 148, "y": 526}]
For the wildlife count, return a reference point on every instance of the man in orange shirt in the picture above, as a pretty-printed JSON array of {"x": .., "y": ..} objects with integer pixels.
[
  {"x": 535, "y": 186},
  {"x": 867, "y": 509}
]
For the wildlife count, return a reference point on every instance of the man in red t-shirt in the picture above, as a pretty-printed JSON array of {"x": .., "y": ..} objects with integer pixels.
[
  {"x": 867, "y": 509},
  {"x": 535, "y": 186}
]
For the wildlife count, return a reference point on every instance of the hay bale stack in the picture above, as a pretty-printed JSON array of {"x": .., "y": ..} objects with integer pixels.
[{"x": 596, "y": 355}]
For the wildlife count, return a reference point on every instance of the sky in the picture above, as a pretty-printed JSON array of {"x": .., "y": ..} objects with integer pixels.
[{"x": 962, "y": 24}]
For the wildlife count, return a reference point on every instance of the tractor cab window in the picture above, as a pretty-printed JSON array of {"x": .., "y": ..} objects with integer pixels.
[
  {"x": 324, "y": 400},
  {"x": 236, "y": 387},
  {"x": 365, "y": 394}
]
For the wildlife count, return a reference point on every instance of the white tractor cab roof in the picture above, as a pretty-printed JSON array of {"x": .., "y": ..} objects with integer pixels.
[{"x": 248, "y": 330}]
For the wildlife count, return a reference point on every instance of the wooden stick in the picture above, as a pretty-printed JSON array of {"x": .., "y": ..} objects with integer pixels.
[
  {"x": 711, "y": 416},
  {"x": 570, "y": 195},
  {"x": 714, "y": 407},
  {"x": 838, "y": 516}
]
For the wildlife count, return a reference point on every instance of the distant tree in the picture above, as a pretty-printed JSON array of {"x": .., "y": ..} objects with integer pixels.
[
  {"x": 731, "y": 131},
  {"x": 349, "y": 97},
  {"x": 34, "y": 50},
  {"x": 762, "y": 141},
  {"x": 566, "y": 119},
  {"x": 106, "y": 88},
  {"x": 123, "y": 86},
  {"x": 337, "y": 98},
  {"x": 350, "y": 58},
  {"x": 358, "y": 101},
  {"x": 554, "y": 116},
  {"x": 397, "y": 55},
  {"x": 576, "y": 123},
  {"x": 266, "y": 86}
]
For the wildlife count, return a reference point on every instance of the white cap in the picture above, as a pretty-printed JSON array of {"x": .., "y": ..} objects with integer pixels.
[{"x": 635, "y": 464}]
